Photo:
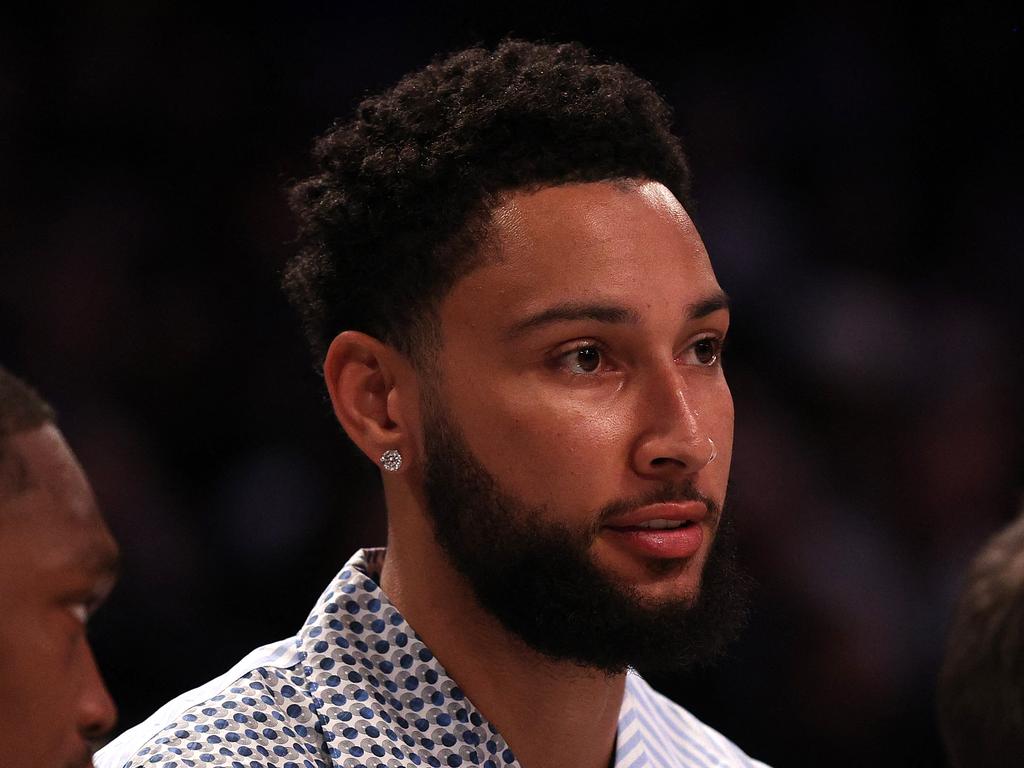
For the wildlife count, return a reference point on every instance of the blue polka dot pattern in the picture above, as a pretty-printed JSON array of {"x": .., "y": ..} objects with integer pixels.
[
  {"x": 356, "y": 688},
  {"x": 366, "y": 692}
]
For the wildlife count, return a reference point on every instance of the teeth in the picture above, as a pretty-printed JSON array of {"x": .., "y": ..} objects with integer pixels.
[{"x": 662, "y": 524}]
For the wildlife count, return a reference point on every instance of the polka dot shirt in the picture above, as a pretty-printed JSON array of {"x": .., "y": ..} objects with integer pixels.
[{"x": 357, "y": 687}]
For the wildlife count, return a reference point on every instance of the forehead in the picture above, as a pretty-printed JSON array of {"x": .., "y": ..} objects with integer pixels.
[
  {"x": 54, "y": 522},
  {"x": 604, "y": 240}
]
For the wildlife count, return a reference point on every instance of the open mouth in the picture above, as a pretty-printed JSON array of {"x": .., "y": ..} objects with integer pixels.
[
  {"x": 656, "y": 525},
  {"x": 658, "y": 538}
]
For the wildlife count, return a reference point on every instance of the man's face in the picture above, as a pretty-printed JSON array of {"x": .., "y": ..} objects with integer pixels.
[
  {"x": 580, "y": 396},
  {"x": 57, "y": 562}
]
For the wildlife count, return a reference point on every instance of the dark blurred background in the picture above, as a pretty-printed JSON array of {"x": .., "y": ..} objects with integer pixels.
[{"x": 858, "y": 184}]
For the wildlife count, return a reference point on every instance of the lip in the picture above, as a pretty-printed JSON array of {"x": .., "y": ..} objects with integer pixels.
[
  {"x": 682, "y": 511},
  {"x": 671, "y": 544}
]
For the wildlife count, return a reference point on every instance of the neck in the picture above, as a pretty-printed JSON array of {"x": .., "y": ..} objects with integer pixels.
[{"x": 544, "y": 709}]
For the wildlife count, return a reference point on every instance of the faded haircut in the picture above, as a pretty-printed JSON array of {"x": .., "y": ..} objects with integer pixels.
[{"x": 22, "y": 409}]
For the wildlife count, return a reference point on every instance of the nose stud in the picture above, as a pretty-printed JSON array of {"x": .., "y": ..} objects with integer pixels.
[{"x": 714, "y": 452}]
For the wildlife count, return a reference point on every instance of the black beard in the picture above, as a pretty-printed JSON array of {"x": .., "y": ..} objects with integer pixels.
[{"x": 536, "y": 577}]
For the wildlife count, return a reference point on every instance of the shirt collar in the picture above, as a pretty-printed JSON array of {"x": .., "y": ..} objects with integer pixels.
[
  {"x": 365, "y": 663},
  {"x": 359, "y": 653}
]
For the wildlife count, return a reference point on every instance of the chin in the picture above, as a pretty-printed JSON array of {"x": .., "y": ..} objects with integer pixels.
[
  {"x": 684, "y": 589},
  {"x": 659, "y": 580}
]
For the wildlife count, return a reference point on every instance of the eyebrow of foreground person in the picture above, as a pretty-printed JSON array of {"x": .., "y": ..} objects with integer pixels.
[{"x": 610, "y": 313}]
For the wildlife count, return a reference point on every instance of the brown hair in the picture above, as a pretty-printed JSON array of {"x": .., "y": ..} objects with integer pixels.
[{"x": 981, "y": 685}]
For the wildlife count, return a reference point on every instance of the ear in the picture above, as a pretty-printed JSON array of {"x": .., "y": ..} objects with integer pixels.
[{"x": 363, "y": 377}]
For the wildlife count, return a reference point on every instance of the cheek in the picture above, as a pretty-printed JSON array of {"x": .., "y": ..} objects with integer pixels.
[
  {"x": 720, "y": 428},
  {"x": 36, "y": 671},
  {"x": 545, "y": 446},
  {"x": 725, "y": 413}
]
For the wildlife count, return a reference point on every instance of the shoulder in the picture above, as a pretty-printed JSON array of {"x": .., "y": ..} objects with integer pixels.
[
  {"x": 654, "y": 726},
  {"x": 260, "y": 709}
]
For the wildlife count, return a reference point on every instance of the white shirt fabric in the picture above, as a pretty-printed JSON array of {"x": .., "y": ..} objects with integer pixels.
[{"x": 357, "y": 687}]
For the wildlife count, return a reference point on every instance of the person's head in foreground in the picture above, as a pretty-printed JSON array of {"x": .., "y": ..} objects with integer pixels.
[
  {"x": 56, "y": 566},
  {"x": 530, "y": 319},
  {"x": 981, "y": 685},
  {"x": 518, "y": 322}
]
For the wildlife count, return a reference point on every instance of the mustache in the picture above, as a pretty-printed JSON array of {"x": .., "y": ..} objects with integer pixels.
[{"x": 673, "y": 492}]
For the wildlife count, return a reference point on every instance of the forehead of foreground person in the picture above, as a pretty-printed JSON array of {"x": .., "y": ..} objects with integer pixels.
[{"x": 57, "y": 562}]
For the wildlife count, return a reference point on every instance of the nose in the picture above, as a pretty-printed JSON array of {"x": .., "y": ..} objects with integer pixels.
[
  {"x": 674, "y": 440},
  {"x": 96, "y": 710}
]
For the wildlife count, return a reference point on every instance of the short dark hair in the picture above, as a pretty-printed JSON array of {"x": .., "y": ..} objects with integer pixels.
[
  {"x": 981, "y": 685},
  {"x": 21, "y": 410},
  {"x": 396, "y": 211}
]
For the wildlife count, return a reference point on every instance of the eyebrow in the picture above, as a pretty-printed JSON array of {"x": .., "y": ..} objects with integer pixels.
[
  {"x": 705, "y": 307},
  {"x": 602, "y": 313},
  {"x": 610, "y": 313}
]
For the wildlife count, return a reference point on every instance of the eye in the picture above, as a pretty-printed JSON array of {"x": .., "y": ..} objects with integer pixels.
[
  {"x": 583, "y": 360},
  {"x": 707, "y": 351}
]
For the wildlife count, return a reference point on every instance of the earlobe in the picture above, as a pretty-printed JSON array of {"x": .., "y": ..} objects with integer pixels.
[{"x": 361, "y": 378}]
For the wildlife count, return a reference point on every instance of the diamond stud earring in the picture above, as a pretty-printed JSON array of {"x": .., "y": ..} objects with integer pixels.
[{"x": 391, "y": 460}]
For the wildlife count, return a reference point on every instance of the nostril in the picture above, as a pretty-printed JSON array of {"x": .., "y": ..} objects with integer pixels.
[{"x": 664, "y": 460}]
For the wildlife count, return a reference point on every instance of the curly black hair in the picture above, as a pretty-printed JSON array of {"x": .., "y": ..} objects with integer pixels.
[{"x": 397, "y": 209}]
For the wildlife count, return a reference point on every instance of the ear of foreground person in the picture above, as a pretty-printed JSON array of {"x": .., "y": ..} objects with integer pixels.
[
  {"x": 57, "y": 565},
  {"x": 518, "y": 322}
]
